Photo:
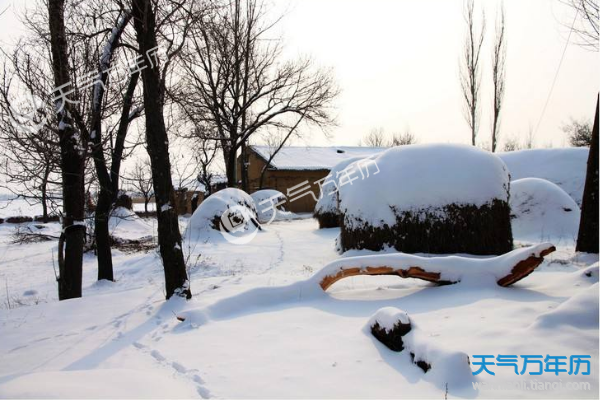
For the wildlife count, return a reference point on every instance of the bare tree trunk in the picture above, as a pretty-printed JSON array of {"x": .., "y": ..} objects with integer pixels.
[
  {"x": 498, "y": 76},
  {"x": 169, "y": 237},
  {"x": 126, "y": 118},
  {"x": 244, "y": 167},
  {"x": 231, "y": 168},
  {"x": 107, "y": 187},
  {"x": 102, "y": 234},
  {"x": 44, "y": 190},
  {"x": 587, "y": 239},
  {"x": 72, "y": 145},
  {"x": 470, "y": 77}
]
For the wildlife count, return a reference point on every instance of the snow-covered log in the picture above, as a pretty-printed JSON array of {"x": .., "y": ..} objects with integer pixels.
[
  {"x": 505, "y": 269},
  {"x": 400, "y": 333}
]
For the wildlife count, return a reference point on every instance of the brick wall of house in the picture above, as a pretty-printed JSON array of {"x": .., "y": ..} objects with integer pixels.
[{"x": 283, "y": 181}]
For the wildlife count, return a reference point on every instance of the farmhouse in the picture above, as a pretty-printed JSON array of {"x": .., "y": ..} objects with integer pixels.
[{"x": 296, "y": 171}]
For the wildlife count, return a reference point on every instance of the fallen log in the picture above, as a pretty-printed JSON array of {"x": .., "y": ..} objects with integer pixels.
[{"x": 506, "y": 269}]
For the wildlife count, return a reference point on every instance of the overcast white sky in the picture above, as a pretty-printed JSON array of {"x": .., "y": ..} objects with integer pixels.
[{"x": 396, "y": 62}]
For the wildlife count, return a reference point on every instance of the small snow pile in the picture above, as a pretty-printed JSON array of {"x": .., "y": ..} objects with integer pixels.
[
  {"x": 580, "y": 311},
  {"x": 326, "y": 210},
  {"x": 388, "y": 317},
  {"x": 542, "y": 211},
  {"x": 564, "y": 167},
  {"x": 269, "y": 206},
  {"x": 228, "y": 210},
  {"x": 441, "y": 366},
  {"x": 438, "y": 198},
  {"x": 125, "y": 224}
]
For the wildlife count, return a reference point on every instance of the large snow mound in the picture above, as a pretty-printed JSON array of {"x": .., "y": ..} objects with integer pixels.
[
  {"x": 421, "y": 177},
  {"x": 564, "y": 167},
  {"x": 226, "y": 204},
  {"x": 542, "y": 211},
  {"x": 269, "y": 206}
]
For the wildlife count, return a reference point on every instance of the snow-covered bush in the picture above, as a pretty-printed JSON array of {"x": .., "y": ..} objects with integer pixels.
[
  {"x": 542, "y": 211},
  {"x": 326, "y": 210},
  {"x": 428, "y": 198},
  {"x": 226, "y": 210},
  {"x": 267, "y": 207}
]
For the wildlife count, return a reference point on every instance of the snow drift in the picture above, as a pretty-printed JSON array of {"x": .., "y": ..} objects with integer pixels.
[{"x": 429, "y": 198}]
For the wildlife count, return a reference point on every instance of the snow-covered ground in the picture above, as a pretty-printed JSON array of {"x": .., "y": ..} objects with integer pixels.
[{"x": 123, "y": 340}]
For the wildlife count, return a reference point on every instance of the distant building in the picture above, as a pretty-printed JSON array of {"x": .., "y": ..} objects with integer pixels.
[{"x": 297, "y": 171}]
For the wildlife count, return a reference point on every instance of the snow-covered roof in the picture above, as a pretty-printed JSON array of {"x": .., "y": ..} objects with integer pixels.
[{"x": 303, "y": 158}]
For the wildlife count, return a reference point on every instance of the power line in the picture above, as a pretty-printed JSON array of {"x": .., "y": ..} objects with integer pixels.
[{"x": 556, "y": 74}]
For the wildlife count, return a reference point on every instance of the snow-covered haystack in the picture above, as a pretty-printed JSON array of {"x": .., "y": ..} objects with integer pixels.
[
  {"x": 269, "y": 206},
  {"x": 429, "y": 198},
  {"x": 227, "y": 210},
  {"x": 564, "y": 167},
  {"x": 542, "y": 211},
  {"x": 326, "y": 210}
]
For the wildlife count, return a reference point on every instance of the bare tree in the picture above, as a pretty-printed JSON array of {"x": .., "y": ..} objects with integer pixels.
[
  {"x": 402, "y": 139},
  {"x": 375, "y": 138},
  {"x": 498, "y": 75},
  {"x": 511, "y": 144},
  {"x": 140, "y": 181},
  {"x": 470, "y": 76},
  {"x": 586, "y": 25},
  {"x": 579, "y": 133},
  {"x": 207, "y": 151},
  {"x": 73, "y": 148},
  {"x": 235, "y": 83},
  {"x": 30, "y": 151},
  {"x": 529, "y": 139},
  {"x": 276, "y": 141},
  {"x": 153, "y": 78}
]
